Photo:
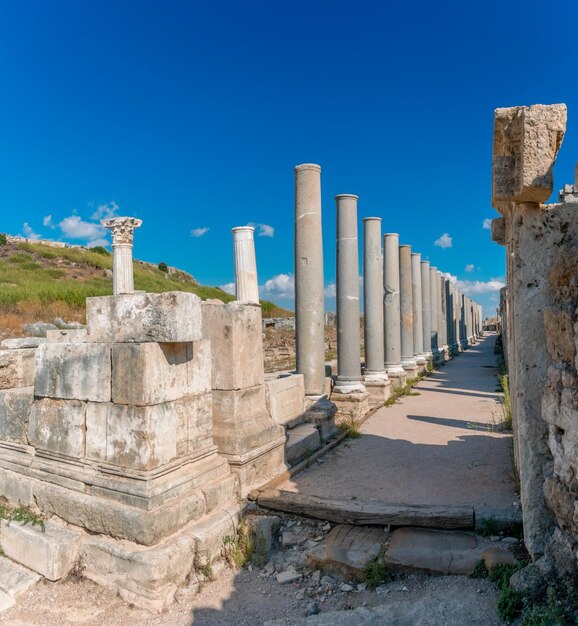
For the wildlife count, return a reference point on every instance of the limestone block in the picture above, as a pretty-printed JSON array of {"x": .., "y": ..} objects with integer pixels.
[
  {"x": 526, "y": 143},
  {"x": 139, "y": 438},
  {"x": 285, "y": 399},
  {"x": 52, "y": 551},
  {"x": 77, "y": 371},
  {"x": 21, "y": 342},
  {"x": 379, "y": 392},
  {"x": 560, "y": 338},
  {"x": 141, "y": 317},
  {"x": 302, "y": 441},
  {"x": 236, "y": 344},
  {"x": 58, "y": 426},
  {"x": 15, "y": 579},
  {"x": 499, "y": 230},
  {"x": 263, "y": 528},
  {"x": 69, "y": 335},
  {"x": 15, "y": 406},
  {"x": 16, "y": 368},
  {"x": 150, "y": 373},
  {"x": 351, "y": 405},
  {"x": 194, "y": 424}
]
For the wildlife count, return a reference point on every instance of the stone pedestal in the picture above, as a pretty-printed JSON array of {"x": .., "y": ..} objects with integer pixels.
[
  {"x": 246, "y": 284},
  {"x": 122, "y": 229},
  {"x": 309, "y": 305},
  {"x": 350, "y": 406},
  {"x": 392, "y": 318},
  {"x": 321, "y": 413},
  {"x": 379, "y": 391},
  {"x": 408, "y": 361}
]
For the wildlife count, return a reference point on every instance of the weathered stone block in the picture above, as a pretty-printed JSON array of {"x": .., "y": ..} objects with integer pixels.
[
  {"x": 58, "y": 426},
  {"x": 69, "y": 335},
  {"x": 73, "y": 371},
  {"x": 15, "y": 406},
  {"x": 21, "y": 342},
  {"x": 302, "y": 441},
  {"x": 16, "y": 368},
  {"x": 52, "y": 551},
  {"x": 150, "y": 373},
  {"x": 236, "y": 344},
  {"x": 141, "y": 317},
  {"x": 498, "y": 230},
  {"x": 15, "y": 579},
  {"x": 285, "y": 398},
  {"x": 526, "y": 143},
  {"x": 560, "y": 338}
]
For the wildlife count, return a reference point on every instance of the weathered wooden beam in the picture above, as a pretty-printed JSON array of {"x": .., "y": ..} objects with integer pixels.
[{"x": 367, "y": 513}]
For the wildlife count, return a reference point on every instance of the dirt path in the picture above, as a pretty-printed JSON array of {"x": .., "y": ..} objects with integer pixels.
[{"x": 442, "y": 446}]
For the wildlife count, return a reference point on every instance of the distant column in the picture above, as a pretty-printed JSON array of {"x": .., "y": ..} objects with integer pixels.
[
  {"x": 122, "y": 230},
  {"x": 373, "y": 300},
  {"x": 309, "y": 309},
  {"x": 426, "y": 309},
  {"x": 406, "y": 308},
  {"x": 442, "y": 315},
  {"x": 449, "y": 315},
  {"x": 458, "y": 317},
  {"x": 246, "y": 285},
  {"x": 435, "y": 304},
  {"x": 417, "y": 304},
  {"x": 391, "y": 305}
]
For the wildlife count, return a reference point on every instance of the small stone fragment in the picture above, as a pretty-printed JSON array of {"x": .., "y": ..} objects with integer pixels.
[{"x": 288, "y": 576}]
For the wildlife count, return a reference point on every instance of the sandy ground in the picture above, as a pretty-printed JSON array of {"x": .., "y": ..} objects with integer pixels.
[{"x": 443, "y": 446}]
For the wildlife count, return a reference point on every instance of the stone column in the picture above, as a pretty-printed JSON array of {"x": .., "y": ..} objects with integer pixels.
[
  {"x": 426, "y": 309},
  {"x": 442, "y": 315},
  {"x": 347, "y": 286},
  {"x": 392, "y": 319},
  {"x": 246, "y": 285},
  {"x": 309, "y": 310},
  {"x": 435, "y": 304},
  {"x": 373, "y": 300},
  {"x": 417, "y": 306},
  {"x": 408, "y": 361},
  {"x": 450, "y": 317},
  {"x": 458, "y": 317},
  {"x": 122, "y": 229}
]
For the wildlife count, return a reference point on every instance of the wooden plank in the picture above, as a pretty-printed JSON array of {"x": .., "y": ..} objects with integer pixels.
[{"x": 367, "y": 513}]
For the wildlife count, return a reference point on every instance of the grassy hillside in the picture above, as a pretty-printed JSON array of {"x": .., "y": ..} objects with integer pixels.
[{"x": 38, "y": 282}]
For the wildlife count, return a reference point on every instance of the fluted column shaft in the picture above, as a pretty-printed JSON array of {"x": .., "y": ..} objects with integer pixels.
[
  {"x": 406, "y": 307},
  {"x": 442, "y": 313},
  {"x": 122, "y": 230},
  {"x": 373, "y": 299},
  {"x": 391, "y": 305},
  {"x": 426, "y": 309},
  {"x": 417, "y": 305},
  {"x": 434, "y": 299},
  {"x": 246, "y": 284},
  {"x": 309, "y": 309},
  {"x": 347, "y": 286}
]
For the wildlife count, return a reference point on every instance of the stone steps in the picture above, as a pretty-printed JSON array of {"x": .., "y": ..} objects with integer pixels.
[
  {"x": 14, "y": 580},
  {"x": 302, "y": 441}
]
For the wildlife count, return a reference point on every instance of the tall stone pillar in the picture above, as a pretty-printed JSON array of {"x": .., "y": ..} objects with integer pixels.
[
  {"x": 347, "y": 284},
  {"x": 458, "y": 317},
  {"x": 408, "y": 361},
  {"x": 309, "y": 310},
  {"x": 246, "y": 284},
  {"x": 417, "y": 305},
  {"x": 392, "y": 319},
  {"x": 442, "y": 316},
  {"x": 426, "y": 309},
  {"x": 450, "y": 317},
  {"x": 435, "y": 304},
  {"x": 374, "y": 376},
  {"x": 122, "y": 229}
]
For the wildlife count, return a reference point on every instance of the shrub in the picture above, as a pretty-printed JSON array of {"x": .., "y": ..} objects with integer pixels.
[
  {"x": 2, "y": 239},
  {"x": 163, "y": 267},
  {"x": 99, "y": 250}
]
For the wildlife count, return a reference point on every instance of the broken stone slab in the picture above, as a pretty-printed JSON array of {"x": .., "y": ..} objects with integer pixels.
[
  {"x": 22, "y": 342},
  {"x": 16, "y": 368},
  {"x": 52, "y": 551},
  {"x": 302, "y": 441},
  {"x": 526, "y": 143},
  {"x": 288, "y": 576},
  {"x": 150, "y": 373},
  {"x": 39, "y": 329},
  {"x": 6, "y": 601},
  {"x": 15, "y": 406},
  {"x": 73, "y": 371},
  {"x": 263, "y": 528},
  {"x": 285, "y": 397},
  {"x": 15, "y": 579},
  {"x": 70, "y": 335},
  {"x": 141, "y": 317},
  {"x": 346, "y": 550},
  {"x": 321, "y": 413},
  {"x": 433, "y": 551}
]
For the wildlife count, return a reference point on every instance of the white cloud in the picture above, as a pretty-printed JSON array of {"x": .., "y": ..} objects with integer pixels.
[
  {"x": 98, "y": 242},
  {"x": 199, "y": 232},
  {"x": 74, "y": 227},
  {"x": 47, "y": 221},
  {"x": 330, "y": 291},
  {"x": 281, "y": 286},
  {"x": 28, "y": 232},
  {"x": 470, "y": 267},
  {"x": 471, "y": 287},
  {"x": 229, "y": 288},
  {"x": 445, "y": 241},
  {"x": 105, "y": 210},
  {"x": 487, "y": 223},
  {"x": 263, "y": 230}
]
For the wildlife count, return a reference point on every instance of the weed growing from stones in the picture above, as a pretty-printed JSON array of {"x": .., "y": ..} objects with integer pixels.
[
  {"x": 350, "y": 427},
  {"x": 376, "y": 572},
  {"x": 21, "y": 514}
]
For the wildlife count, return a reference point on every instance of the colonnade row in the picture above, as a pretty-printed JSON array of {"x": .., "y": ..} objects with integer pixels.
[{"x": 412, "y": 311}]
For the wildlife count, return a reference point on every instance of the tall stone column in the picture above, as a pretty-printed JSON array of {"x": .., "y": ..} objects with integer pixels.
[
  {"x": 391, "y": 302},
  {"x": 373, "y": 300},
  {"x": 347, "y": 284},
  {"x": 246, "y": 284},
  {"x": 122, "y": 230},
  {"x": 442, "y": 316},
  {"x": 458, "y": 317},
  {"x": 309, "y": 310},
  {"x": 450, "y": 317},
  {"x": 408, "y": 361},
  {"x": 435, "y": 304},
  {"x": 417, "y": 305},
  {"x": 426, "y": 309}
]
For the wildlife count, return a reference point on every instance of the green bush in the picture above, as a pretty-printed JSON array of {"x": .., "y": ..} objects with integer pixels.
[
  {"x": 2, "y": 239},
  {"x": 100, "y": 250},
  {"x": 163, "y": 267}
]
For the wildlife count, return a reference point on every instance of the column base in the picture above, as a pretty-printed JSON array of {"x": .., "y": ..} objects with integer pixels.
[
  {"x": 379, "y": 392},
  {"x": 374, "y": 376},
  {"x": 420, "y": 359},
  {"x": 351, "y": 406},
  {"x": 345, "y": 386},
  {"x": 321, "y": 413}
]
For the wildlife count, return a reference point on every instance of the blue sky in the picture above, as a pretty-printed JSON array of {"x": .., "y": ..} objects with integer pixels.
[{"x": 192, "y": 115}]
